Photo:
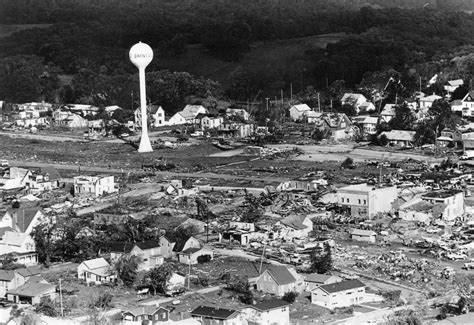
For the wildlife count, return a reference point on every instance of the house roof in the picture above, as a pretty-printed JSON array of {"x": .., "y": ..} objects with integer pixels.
[
  {"x": 148, "y": 244},
  {"x": 32, "y": 289},
  {"x": 270, "y": 304},
  {"x": 441, "y": 194},
  {"x": 280, "y": 274},
  {"x": 317, "y": 278},
  {"x": 120, "y": 247},
  {"x": 191, "y": 250},
  {"x": 301, "y": 107},
  {"x": 342, "y": 286},
  {"x": 388, "y": 109},
  {"x": 17, "y": 172},
  {"x": 178, "y": 247},
  {"x": 52, "y": 172},
  {"x": 353, "y": 96},
  {"x": 144, "y": 310},
  {"x": 360, "y": 232},
  {"x": 213, "y": 312},
  {"x": 6, "y": 275},
  {"x": 456, "y": 83},
  {"x": 400, "y": 135},
  {"x": 24, "y": 217},
  {"x": 295, "y": 221},
  {"x": 366, "y": 119},
  {"x": 29, "y": 271},
  {"x": 3, "y": 230},
  {"x": 430, "y": 98},
  {"x": 11, "y": 238},
  {"x": 96, "y": 263}
]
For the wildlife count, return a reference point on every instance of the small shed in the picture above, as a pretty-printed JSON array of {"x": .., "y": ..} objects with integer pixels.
[{"x": 363, "y": 235}]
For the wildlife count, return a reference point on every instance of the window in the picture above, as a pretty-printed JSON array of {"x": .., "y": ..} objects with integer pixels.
[
  {"x": 348, "y": 200},
  {"x": 365, "y": 201},
  {"x": 342, "y": 200},
  {"x": 359, "y": 201}
]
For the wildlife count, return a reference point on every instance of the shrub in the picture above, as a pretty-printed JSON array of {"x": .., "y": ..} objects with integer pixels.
[
  {"x": 290, "y": 296},
  {"x": 204, "y": 259}
]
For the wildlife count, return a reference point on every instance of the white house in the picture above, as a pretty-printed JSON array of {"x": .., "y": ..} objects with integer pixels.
[
  {"x": 69, "y": 119},
  {"x": 187, "y": 115},
  {"x": 297, "y": 111},
  {"x": 189, "y": 250},
  {"x": 427, "y": 102},
  {"x": 268, "y": 312},
  {"x": 467, "y": 104},
  {"x": 339, "y": 294},
  {"x": 175, "y": 282},
  {"x": 367, "y": 200},
  {"x": 21, "y": 245},
  {"x": 452, "y": 85},
  {"x": 211, "y": 122},
  {"x": 312, "y": 116},
  {"x": 367, "y": 124},
  {"x": 155, "y": 116},
  {"x": 388, "y": 112},
  {"x": 14, "y": 178},
  {"x": 94, "y": 185},
  {"x": 278, "y": 280},
  {"x": 452, "y": 199},
  {"x": 400, "y": 138},
  {"x": 22, "y": 220},
  {"x": 96, "y": 271},
  {"x": 295, "y": 226}
]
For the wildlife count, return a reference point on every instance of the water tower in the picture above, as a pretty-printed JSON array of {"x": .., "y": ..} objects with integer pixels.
[{"x": 141, "y": 55}]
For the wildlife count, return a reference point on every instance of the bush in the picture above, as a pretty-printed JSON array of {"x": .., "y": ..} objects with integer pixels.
[
  {"x": 204, "y": 259},
  {"x": 290, "y": 296},
  {"x": 102, "y": 301}
]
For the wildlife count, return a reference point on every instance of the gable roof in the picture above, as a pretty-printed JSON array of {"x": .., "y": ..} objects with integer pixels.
[
  {"x": 430, "y": 98},
  {"x": 148, "y": 244},
  {"x": 24, "y": 217},
  {"x": 295, "y": 221},
  {"x": 96, "y": 263},
  {"x": 178, "y": 247},
  {"x": 120, "y": 247},
  {"x": 280, "y": 274},
  {"x": 366, "y": 119},
  {"x": 29, "y": 271},
  {"x": 144, "y": 310},
  {"x": 469, "y": 96},
  {"x": 6, "y": 275},
  {"x": 456, "y": 83},
  {"x": 212, "y": 312},
  {"x": 52, "y": 173},
  {"x": 270, "y": 304},
  {"x": 400, "y": 135},
  {"x": 388, "y": 109},
  {"x": 32, "y": 289},
  {"x": 342, "y": 286},
  {"x": 317, "y": 278},
  {"x": 352, "y": 96},
  {"x": 11, "y": 238},
  {"x": 301, "y": 107}
]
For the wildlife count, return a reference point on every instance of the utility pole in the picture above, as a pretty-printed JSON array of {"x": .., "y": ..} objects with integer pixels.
[
  {"x": 189, "y": 272},
  {"x": 319, "y": 104},
  {"x": 291, "y": 91},
  {"x": 61, "y": 298},
  {"x": 261, "y": 259},
  {"x": 267, "y": 102},
  {"x": 282, "y": 97}
]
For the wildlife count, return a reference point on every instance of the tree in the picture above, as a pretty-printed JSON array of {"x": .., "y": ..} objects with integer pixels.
[
  {"x": 317, "y": 135},
  {"x": 382, "y": 140},
  {"x": 290, "y": 296},
  {"x": 443, "y": 117},
  {"x": 42, "y": 235},
  {"x": 321, "y": 262},
  {"x": 46, "y": 307},
  {"x": 158, "y": 277},
  {"x": 348, "y": 163},
  {"x": 127, "y": 268},
  {"x": 103, "y": 300},
  {"x": 404, "y": 118},
  {"x": 349, "y": 110},
  {"x": 425, "y": 134},
  {"x": 242, "y": 288}
]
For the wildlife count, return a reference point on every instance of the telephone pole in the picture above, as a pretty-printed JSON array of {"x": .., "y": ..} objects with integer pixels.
[{"x": 61, "y": 298}]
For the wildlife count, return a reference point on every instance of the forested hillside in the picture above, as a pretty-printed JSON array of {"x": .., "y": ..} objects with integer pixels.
[{"x": 248, "y": 47}]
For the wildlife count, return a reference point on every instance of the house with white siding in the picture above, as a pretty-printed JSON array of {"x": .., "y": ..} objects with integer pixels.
[{"x": 339, "y": 294}]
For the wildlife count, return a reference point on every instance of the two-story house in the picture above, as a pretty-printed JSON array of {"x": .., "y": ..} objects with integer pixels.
[
  {"x": 453, "y": 201},
  {"x": 150, "y": 252},
  {"x": 22, "y": 220},
  {"x": 211, "y": 122},
  {"x": 278, "y": 280},
  {"x": 297, "y": 111},
  {"x": 339, "y": 294},
  {"x": 94, "y": 185},
  {"x": 155, "y": 116},
  {"x": 367, "y": 200},
  {"x": 366, "y": 124},
  {"x": 268, "y": 312},
  {"x": 187, "y": 115}
]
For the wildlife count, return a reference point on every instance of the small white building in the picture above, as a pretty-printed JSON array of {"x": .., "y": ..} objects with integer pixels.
[
  {"x": 187, "y": 115},
  {"x": 94, "y": 185},
  {"x": 297, "y": 111},
  {"x": 340, "y": 294},
  {"x": 96, "y": 271},
  {"x": 363, "y": 235},
  {"x": 367, "y": 200},
  {"x": 388, "y": 112},
  {"x": 427, "y": 102},
  {"x": 452, "y": 85}
]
